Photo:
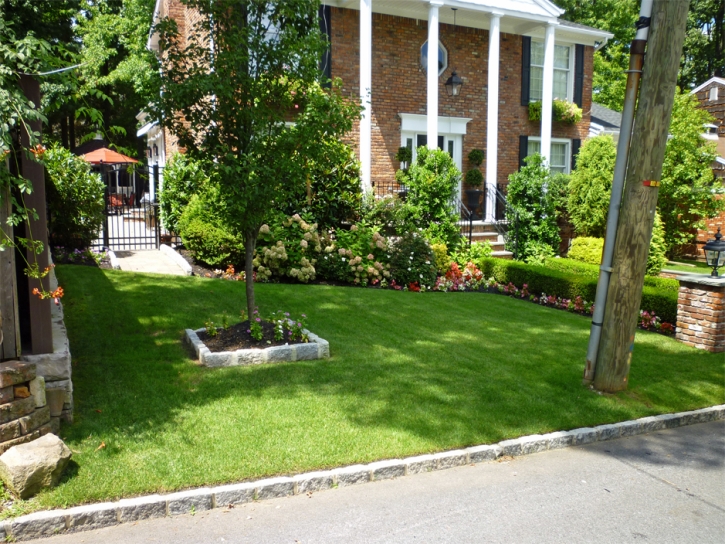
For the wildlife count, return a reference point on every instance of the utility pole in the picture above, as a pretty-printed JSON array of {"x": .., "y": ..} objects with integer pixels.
[{"x": 639, "y": 201}]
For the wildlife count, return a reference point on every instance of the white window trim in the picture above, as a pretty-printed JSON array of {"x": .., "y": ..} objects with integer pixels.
[
  {"x": 425, "y": 66},
  {"x": 567, "y": 141},
  {"x": 714, "y": 92},
  {"x": 572, "y": 64}
]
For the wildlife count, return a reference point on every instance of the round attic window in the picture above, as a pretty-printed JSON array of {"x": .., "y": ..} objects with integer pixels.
[{"x": 442, "y": 57}]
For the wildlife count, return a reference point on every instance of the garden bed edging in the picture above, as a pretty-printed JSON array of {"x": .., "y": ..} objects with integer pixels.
[{"x": 316, "y": 348}]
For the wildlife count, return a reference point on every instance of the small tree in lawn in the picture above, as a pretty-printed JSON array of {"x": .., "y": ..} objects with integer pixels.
[{"x": 248, "y": 69}]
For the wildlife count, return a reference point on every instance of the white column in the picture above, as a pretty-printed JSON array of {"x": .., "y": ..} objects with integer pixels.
[
  {"x": 547, "y": 93},
  {"x": 366, "y": 54},
  {"x": 432, "y": 110},
  {"x": 494, "y": 42}
]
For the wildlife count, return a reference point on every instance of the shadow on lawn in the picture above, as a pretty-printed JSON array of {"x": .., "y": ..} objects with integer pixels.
[{"x": 452, "y": 369}]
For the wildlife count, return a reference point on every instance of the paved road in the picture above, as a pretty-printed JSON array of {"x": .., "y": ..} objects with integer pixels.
[{"x": 667, "y": 486}]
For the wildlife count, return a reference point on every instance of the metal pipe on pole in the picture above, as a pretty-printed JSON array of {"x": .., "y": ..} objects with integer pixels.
[{"x": 636, "y": 62}]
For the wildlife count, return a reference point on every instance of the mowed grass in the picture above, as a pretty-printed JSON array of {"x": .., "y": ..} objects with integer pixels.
[{"x": 410, "y": 373}]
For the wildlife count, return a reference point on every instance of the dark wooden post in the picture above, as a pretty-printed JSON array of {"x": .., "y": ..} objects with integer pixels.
[
  {"x": 10, "y": 328},
  {"x": 41, "y": 336},
  {"x": 639, "y": 200}
]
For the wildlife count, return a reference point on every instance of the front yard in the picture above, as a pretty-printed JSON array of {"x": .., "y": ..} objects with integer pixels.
[{"x": 409, "y": 373}]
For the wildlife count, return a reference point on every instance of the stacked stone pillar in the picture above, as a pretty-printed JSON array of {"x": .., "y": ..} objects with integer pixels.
[
  {"x": 24, "y": 412},
  {"x": 701, "y": 312}
]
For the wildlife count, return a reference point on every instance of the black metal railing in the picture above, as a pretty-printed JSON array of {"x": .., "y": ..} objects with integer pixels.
[
  {"x": 465, "y": 219},
  {"x": 506, "y": 218}
]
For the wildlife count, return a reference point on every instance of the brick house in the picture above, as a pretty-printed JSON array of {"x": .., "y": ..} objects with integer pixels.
[
  {"x": 711, "y": 96},
  {"x": 507, "y": 53}
]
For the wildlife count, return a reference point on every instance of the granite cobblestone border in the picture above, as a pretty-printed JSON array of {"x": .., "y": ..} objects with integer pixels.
[
  {"x": 94, "y": 516},
  {"x": 316, "y": 348}
]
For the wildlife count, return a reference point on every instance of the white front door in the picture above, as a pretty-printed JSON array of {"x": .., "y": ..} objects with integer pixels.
[{"x": 451, "y": 143}]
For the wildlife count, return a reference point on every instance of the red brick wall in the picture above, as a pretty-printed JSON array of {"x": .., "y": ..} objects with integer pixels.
[
  {"x": 399, "y": 86},
  {"x": 701, "y": 316}
]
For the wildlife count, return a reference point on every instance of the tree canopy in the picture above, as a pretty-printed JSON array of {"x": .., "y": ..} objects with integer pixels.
[{"x": 243, "y": 93}]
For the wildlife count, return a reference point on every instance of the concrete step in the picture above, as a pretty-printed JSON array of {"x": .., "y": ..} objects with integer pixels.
[{"x": 503, "y": 255}]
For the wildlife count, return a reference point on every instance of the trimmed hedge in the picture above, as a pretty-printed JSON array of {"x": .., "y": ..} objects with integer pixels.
[{"x": 658, "y": 295}]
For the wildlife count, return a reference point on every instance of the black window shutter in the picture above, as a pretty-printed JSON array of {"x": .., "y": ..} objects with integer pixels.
[
  {"x": 523, "y": 150},
  {"x": 525, "y": 69},
  {"x": 576, "y": 143},
  {"x": 579, "y": 75},
  {"x": 325, "y": 13}
]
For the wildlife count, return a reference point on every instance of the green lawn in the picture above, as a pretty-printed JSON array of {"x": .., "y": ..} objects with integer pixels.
[
  {"x": 409, "y": 373},
  {"x": 692, "y": 267}
]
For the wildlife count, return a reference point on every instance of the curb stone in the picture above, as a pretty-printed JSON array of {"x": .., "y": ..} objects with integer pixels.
[
  {"x": 178, "y": 259},
  {"x": 94, "y": 516}
]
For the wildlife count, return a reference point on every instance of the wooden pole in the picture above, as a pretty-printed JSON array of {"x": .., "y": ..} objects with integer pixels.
[
  {"x": 10, "y": 324},
  {"x": 41, "y": 333},
  {"x": 639, "y": 201}
]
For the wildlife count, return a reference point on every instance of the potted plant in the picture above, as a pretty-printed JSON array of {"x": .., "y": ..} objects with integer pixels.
[{"x": 474, "y": 179}]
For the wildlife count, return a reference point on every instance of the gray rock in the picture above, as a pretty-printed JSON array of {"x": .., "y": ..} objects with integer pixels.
[
  {"x": 273, "y": 488},
  {"x": 449, "y": 459},
  {"x": 221, "y": 358},
  {"x": 385, "y": 470},
  {"x": 250, "y": 357},
  {"x": 52, "y": 366},
  {"x": 324, "y": 348},
  {"x": 37, "y": 389},
  {"x": 92, "y": 516},
  {"x": 27, "y": 468},
  {"x": 37, "y": 525},
  {"x": 152, "y": 506},
  {"x": 186, "y": 502},
  {"x": 314, "y": 481},
  {"x": 608, "y": 432},
  {"x": 671, "y": 420},
  {"x": 479, "y": 454},
  {"x": 420, "y": 464},
  {"x": 15, "y": 372},
  {"x": 278, "y": 354},
  {"x": 585, "y": 435},
  {"x": 559, "y": 439},
  {"x": 225, "y": 495},
  {"x": 652, "y": 423},
  {"x": 354, "y": 474},
  {"x": 31, "y": 422},
  {"x": 534, "y": 443},
  {"x": 630, "y": 428},
  {"x": 510, "y": 447},
  {"x": 306, "y": 352}
]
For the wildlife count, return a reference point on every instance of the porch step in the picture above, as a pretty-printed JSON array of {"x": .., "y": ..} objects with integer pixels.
[{"x": 503, "y": 255}]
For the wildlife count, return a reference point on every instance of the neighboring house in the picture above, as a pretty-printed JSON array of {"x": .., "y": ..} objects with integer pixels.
[
  {"x": 604, "y": 121},
  {"x": 507, "y": 53},
  {"x": 711, "y": 96}
]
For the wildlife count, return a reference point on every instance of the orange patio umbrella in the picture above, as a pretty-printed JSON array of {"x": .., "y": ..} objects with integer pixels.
[{"x": 107, "y": 156}]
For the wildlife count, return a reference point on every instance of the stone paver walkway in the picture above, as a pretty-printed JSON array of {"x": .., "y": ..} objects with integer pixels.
[{"x": 148, "y": 260}]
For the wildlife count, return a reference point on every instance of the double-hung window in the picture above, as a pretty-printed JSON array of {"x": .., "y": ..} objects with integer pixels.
[
  {"x": 560, "y": 154},
  {"x": 562, "y": 71}
]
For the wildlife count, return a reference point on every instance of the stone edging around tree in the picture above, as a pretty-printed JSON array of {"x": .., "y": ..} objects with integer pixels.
[
  {"x": 316, "y": 348},
  {"x": 96, "y": 516}
]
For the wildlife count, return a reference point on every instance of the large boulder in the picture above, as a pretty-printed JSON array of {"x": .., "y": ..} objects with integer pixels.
[{"x": 27, "y": 468}]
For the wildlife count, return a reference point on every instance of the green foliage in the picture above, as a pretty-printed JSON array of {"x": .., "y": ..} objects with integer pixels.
[
  {"x": 334, "y": 195},
  {"x": 412, "y": 261},
  {"x": 570, "y": 266},
  {"x": 539, "y": 252},
  {"x": 475, "y": 253},
  {"x": 204, "y": 234},
  {"x": 586, "y": 249},
  {"x": 183, "y": 178},
  {"x": 432, "y": 183},
  {"x": 266, "y": 72},
  {"x": 590, "y": 186},
  {"x": 288, "y": 247},
  {"x": 404, "y": 155},
  {"x": 561, "y": 110},
  {"x": 657, "y": 257},
  {"x": 657, "y": 296},
  {"x": 442, "y": 259},
  {"x": 535, "y": 208},
  {"x": 686, "y": 194},
  {"x": 475, "y": 157},
  {"x": 75, "y": 199},
  {"x": 474, "y": 178},
  {"x": 704, "y": 43}
]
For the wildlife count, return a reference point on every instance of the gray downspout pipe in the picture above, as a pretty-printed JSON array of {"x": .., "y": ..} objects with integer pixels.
[{"x": 636, "y": 61}]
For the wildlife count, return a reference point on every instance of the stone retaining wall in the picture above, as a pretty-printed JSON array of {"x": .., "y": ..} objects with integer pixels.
[{"x": 24, "y": 411}]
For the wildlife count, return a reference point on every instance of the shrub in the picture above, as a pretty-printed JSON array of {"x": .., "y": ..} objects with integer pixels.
[
  {"x": 475, "y": 157},
  {"x": 205, "y": 235},
  {"x": 442, "y": 259},
  {"x": 657, "y": 257},
  {"x": 183, "y": 178},
  {"x": 412, "y": 261},
  {"x": 75, "y": 199},
  {"x": 474, "y": 178},
  {"x": 590, "y": 186},
  {"x": 658, "y": 296},
  {"x": 475, "y": 253},
  {"x": 586, "y": 249},
  {"x": 432, "y": 183},
  {"x": 332, "y": 194},
  {"x": 535, "y": 207},
  {"x": 570, "y": 266},
  {"x": 287, "y": 247}
]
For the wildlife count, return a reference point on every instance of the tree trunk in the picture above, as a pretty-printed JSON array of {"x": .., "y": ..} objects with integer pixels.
[
  {"x": 250, "y": 243},
  {"x": 639, "y": 200}
]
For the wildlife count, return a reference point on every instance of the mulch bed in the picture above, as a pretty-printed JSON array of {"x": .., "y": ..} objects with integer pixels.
[{"x": 236, "y": 337}]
